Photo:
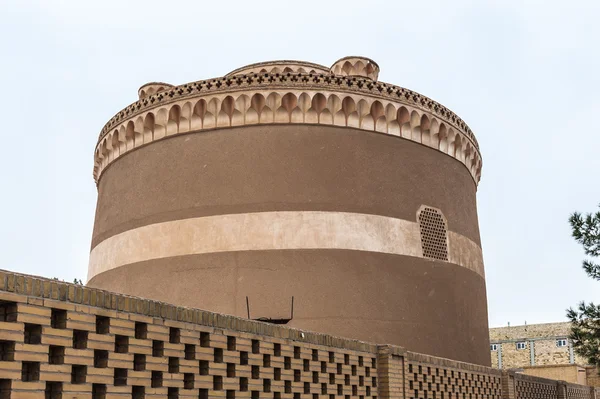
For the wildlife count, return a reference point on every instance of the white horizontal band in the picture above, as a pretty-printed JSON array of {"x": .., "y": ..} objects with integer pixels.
[{"x": 274, "y": 231}]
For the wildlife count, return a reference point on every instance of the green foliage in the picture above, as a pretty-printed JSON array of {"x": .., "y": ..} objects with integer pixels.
[
  {"x": 585, "y": 319},
  {"x": 585, "y": 331},
  {"x": 586, "y": 231}
]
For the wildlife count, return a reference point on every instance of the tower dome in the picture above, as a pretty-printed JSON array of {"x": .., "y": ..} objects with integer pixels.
[{"x": 287, "y": 191}]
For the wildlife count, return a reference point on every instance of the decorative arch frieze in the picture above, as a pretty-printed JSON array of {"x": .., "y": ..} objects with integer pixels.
[
  {"x": 223, "y": 110},
  {"x": 288, "y": 92}
]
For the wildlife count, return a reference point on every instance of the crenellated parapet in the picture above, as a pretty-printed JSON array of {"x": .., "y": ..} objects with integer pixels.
[{"x": 289, "y": 92}]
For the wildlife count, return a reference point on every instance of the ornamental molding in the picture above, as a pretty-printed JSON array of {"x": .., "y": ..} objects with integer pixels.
[{"x": 352, "y": 101}]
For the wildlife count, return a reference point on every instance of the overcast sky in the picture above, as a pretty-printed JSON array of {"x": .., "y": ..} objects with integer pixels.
[{"x": 524, "y": 76}]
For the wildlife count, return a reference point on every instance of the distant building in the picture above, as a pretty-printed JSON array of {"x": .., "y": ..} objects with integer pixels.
[{"x": 542, "y": 350}]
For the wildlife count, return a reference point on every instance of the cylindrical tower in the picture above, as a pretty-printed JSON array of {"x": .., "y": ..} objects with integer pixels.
[{"x": 288, "y": 179}]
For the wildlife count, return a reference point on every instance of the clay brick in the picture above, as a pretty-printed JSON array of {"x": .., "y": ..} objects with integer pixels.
[
  {"x": 53, "y": 336},
  {"x": 10, "y": 369},
  {"x": 55, "y": 368},
  {"x": 10, "y": 331},
  {"x": 50, "y": 303},
  {"x": 28, "y": 394}
]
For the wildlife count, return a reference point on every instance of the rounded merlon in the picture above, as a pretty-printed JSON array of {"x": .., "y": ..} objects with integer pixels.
[{"x": 152, "y": 88}]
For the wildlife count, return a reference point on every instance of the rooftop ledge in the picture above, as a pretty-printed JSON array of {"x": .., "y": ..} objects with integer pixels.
[{"x": 346, "y": 94}]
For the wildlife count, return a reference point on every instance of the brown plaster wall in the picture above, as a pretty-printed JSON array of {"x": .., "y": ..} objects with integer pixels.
[
  {"x": 413, "y": 302},
  {"x": 279, "y": 168}
]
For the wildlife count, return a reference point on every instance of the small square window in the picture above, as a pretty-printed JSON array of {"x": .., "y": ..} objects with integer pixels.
[
  {"x": 98, "y": 391},
  {"x": 188, "y": 381},
  {"x": 53, "y": 390},
  {"x": 80, "y": 339},
  {"x": 138, "y": 392},
  {"x": 120, "y": 377},
  {"x": 8, "y": 311},
  {"x": 100, "y": 358},
  {"x": 217, "y": 383},
  {"x": 521, "y": 345},
  {"x": 121, "y": 343},
  {"x": 493, "y": 347},
  {"x": 33, "y": 334},
  {"x": 158, "y": 348},
  {"x": 7, "y": 351},
  {"x": 230, "y": 343},
  {"x": 174, "y": 335},
  {"x": 78, "y": 373},
  {"x": 277, "y": 349},
  {"x": 102, "y": 325},
  {"x": 5, "y": 388},
  {"x": 30, "y": 371},
  {"x": 56, "y": 354},
  {"x": 230, "y": 370},
  {"x": 218, "y": 355},
  {"x": 173, "y": 365},
  {"x": 157, "y": 379},
  {"x": 58, "y": 318},
  {"x": 204, "y": 367},
  {"x": 190, "y": 352},
  {"x": 141, "y": 330},
  {"x": 204, "y": 339},
  {"x": 139, "y": 362}
]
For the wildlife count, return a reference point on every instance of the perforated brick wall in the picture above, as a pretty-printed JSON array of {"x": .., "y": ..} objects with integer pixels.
[
  {"x": 434, "y": 234},
  {"x": 99, "y": 353},
  {"x": 434, "y": 378},
  {"x": 60, "y": 341},
  {"x": 536, "y": 388}
]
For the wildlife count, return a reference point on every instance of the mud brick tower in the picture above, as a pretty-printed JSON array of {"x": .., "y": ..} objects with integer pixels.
[{"x": 310, "y": 196}]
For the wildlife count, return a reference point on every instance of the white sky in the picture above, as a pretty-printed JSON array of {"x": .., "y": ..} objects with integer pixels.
[{"x": 524, "y": 75}]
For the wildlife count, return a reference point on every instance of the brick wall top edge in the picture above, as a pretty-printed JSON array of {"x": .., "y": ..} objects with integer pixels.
[
  {"x": 539, "y": 380},
  {"x": 438, "y": 361},
  {"x": 576, "y": 386},
  {"x": 545, "y": 330},
  {"x": 41, "y": 287},
  {"x": 550, "y": 366}
]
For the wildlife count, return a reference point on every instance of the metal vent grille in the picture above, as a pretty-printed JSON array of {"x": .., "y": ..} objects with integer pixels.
[{"x": 434, "y": 234}]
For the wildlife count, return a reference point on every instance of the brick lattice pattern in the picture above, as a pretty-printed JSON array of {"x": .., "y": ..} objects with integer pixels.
[
  {"x": 578, "y": 392},
  {"x": 432, "y": 378},
  {"x": 434, "y": 234},
  {"x": 102, "y": 354},
  {"x": 536, "y": 389}
]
